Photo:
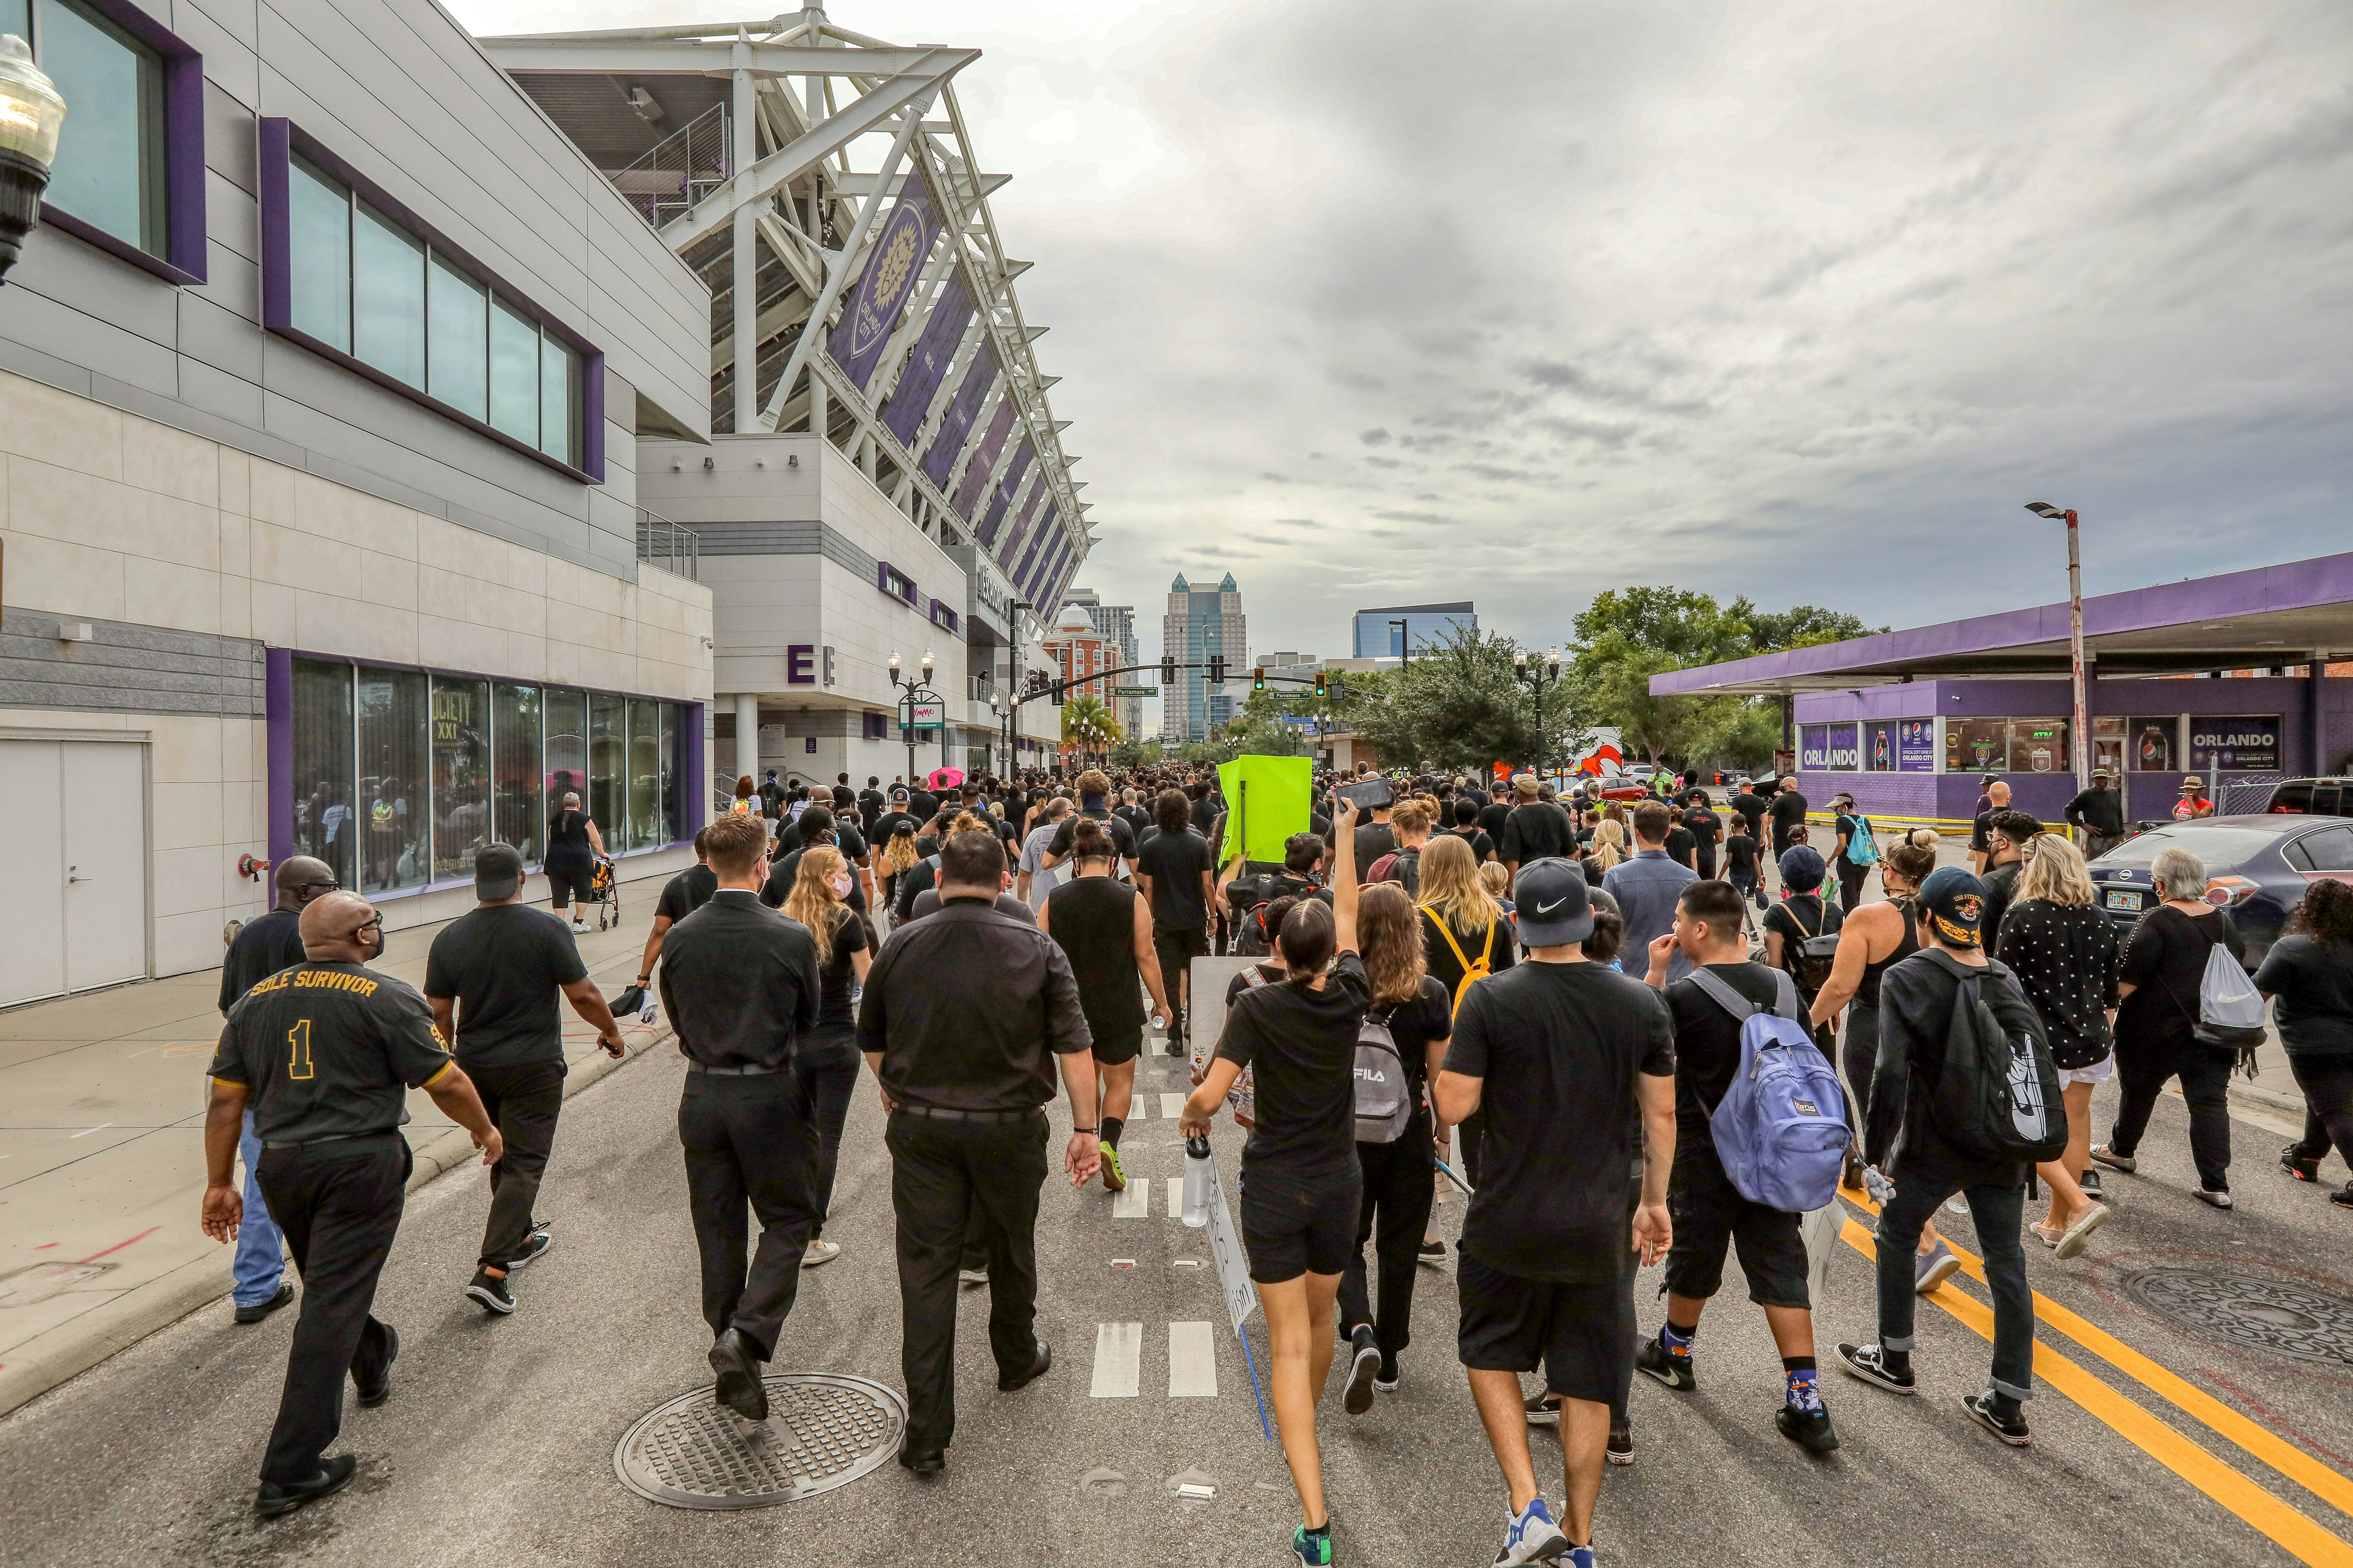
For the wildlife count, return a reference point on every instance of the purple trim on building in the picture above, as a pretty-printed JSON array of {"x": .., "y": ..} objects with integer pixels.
[
  {"x": 277, "y": 725},
  {"x": 279, "y": 138},
  {"x": 942, "y": 616},
  {"x": 897, "y": 585},
  {"x": 185, "y": 245},
  {"x": 693, "y": 747}
]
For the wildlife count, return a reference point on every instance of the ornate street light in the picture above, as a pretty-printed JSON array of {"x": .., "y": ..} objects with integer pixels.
[{"x": 31, "y": 113}]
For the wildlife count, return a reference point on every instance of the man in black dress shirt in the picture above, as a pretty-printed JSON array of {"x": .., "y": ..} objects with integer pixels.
[
  {"x": 740, "y": 982},
  {"x": 260, "y": 949},
  {"x": 965, "y": 1017}
]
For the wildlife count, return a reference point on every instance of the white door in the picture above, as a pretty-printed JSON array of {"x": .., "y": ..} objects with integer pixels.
[
  {"x": 106, "y": 863},
  {"x": 33, "y": 958}
]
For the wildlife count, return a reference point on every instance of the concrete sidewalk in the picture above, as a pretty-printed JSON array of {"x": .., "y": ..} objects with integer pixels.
[{"x": 101, "y": 1151}]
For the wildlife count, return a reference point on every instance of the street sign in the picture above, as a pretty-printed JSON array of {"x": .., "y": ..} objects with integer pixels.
[
  {"x": 922, "y": 715},
  {"x": 1135, "y": 691}
]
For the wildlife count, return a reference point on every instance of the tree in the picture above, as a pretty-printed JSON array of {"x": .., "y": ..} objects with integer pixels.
[
  {"x": 1132, "y": 753},
  {"x": 1085, "y": 718},
  {"x": 1460, "y": 706}
]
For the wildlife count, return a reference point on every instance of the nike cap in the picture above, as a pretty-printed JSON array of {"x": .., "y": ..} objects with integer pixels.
[{"x": 1554, "y": 905}]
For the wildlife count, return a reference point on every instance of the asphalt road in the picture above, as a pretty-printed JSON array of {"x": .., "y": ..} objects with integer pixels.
[{"x": 496, "y": 1448}]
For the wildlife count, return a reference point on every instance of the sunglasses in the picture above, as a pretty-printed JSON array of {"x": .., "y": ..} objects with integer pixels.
[
  {"x": 375, "y": 925},
  {"x": 327, "y": 887}
]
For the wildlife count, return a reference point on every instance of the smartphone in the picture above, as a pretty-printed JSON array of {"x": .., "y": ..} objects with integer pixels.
[{"x": 1368, "y": 794}]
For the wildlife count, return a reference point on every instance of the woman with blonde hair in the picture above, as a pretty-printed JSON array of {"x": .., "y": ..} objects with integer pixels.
[
  {"x": 1608, "y": 851},
  {"x": 826, "y": 1060},
  {"x": 1464, "y": 935}
]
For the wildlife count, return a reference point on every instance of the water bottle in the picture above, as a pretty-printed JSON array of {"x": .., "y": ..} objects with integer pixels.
[{"x": 1200, "y": 1180}]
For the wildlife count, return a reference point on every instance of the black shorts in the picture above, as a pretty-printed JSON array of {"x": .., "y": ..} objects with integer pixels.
[
  {"x": 1186, "y": 942},
  {"x": 1582, "y": 1334},
  {"x": 1710, "y": 1217},
  {"x": 1292, "y": 1227},
  {"x": 1117, "y": 1045},
  {"x": 567, "y": 886}
]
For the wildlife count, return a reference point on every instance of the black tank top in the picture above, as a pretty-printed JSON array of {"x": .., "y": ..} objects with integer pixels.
[
  {"x": 567, "y": 840},
  {"x": 1868, "y": 992},
  {"x": 1093, "y": 919}
]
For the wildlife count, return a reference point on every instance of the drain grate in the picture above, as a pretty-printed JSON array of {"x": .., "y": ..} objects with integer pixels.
[
  {"x": 822, "y": 1432},
  {"x": 2276, "y": 1312}
]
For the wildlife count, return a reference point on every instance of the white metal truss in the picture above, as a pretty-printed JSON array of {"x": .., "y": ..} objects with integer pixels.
[{"x": 803, "y": 91}]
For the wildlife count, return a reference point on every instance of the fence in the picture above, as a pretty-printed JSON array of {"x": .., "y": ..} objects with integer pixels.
[
  {"x": 677, "y": 551},
  {"x": 680, "y": 169}
]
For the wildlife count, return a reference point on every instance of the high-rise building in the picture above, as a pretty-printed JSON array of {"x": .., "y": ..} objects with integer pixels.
[
  {"x": 1197, "y": 625},
  {"x": 1400, "y": 629},
  {"x": 1117, "y": 623}
]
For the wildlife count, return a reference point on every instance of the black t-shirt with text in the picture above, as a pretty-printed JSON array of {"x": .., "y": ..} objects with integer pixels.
[
  {"x": 1300, "y": 1045},
  {"x": 329, "y": 1050},
  {"x": 504, "y": 964}
]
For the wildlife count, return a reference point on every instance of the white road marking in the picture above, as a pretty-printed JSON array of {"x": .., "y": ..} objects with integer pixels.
[
  {"x": 1139, "y": 1107},
  {"x": 88, "y": 1131},
  {"x": 1134, "y": 1201},
  {"x": 1119, "y": 1362},
  {"x": 1177, "y": 1198},
  {"x": 1192, "y": 1362},
  {"x": 1172, "y": 1106}
]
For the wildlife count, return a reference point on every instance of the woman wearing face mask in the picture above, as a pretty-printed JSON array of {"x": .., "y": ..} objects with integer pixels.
[{"x": 826, "y": 1061}]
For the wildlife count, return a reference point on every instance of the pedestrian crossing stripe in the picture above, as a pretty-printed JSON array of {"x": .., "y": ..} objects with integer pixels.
[
  {"x": 1134, "y": 1201},
  {"x": 1119, "y": 1361},
  {"x": 1175, "y": 1198},
  {"x": 1172, "y": 1106}
]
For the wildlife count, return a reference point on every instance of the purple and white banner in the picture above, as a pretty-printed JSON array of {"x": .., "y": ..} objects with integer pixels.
[
  {"x": 1025, "y": 520},
  {"x": 1015, "y": 470},
  {"x": 928, "y": 365},
  {"x": 894, "y": 267},
  {"x": 977, "y": 472},
  {"x": 1060, "y": 574},
  {"x": 979, "y": 377},
  {"x": 1057, "y": 552},
  {"x": 1030, "y": 574}
]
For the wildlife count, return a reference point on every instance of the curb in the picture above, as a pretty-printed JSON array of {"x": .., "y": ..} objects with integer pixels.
[{"x": 196, "y": 1285}]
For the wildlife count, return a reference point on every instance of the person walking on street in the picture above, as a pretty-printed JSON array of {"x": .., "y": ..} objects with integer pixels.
[
  {"x": 1647, "y": 885},
  {"x": 574, "y": 844},
  {"x": 1997, "y": 798},
  {"x": 681, "y": 897},
  {"x": 260, "y": 949},
  {"x": 1787, "y": 812},
  {"x": 1537, "y": 829},
  {"x": 491, "y": 978},
  {"x": 1856, "y": 851},
  {"x": 326, "y": 1053},
  {"x": 824, "y": 1063},
  {"x": 2010, "y": 837},
  {"x": 1105, "y": 927},
  {"x": 2309, "y": 975},
  {"x": 2098, "y": 813},
  {"x": 1907, "y": 1142},
  {"x": 741, "y": 984},
  {"x": 1174, "y": 872},
  {"x": 1466, "y": 937},
  {"x": 1037, "y": 878},
  {"x": 967, "y": 1018}
]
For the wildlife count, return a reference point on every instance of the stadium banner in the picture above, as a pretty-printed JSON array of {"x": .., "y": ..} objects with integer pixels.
[
  {"x": 979, "y": 380},
  {"x": 894, "y": 267},
  {"x": 977, "y": 472},
  {"x": 928, "y": 365},
  {"x": 1015, "y": 470}
]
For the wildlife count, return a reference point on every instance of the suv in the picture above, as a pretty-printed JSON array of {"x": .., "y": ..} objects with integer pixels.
[{"x": 2312, "y": 798}]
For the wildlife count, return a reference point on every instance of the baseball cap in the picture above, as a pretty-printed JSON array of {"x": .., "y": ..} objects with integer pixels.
[
  {"x": 1555, "y": 906},
  {"x": 1956, "y": 903},
  {"x": 498, "y": 871}
]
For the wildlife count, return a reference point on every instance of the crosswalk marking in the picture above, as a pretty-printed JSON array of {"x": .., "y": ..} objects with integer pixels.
[
  {"x": 1119, "y": 1362},
  {"x": 1176, "y": 1204},
  {"x": 1192, "y": 1362},
  {"x": 1139, "y": 1107},
  {"x": 1133, "y": 1202},
  {"x": 1172, "y": 1106}
]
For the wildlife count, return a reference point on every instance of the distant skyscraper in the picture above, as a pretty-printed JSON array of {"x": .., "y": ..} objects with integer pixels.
[
  {"x": 1117, "y": 623},
  {"x": 1197, "y": 625},
  {"x": 1376, "y": 635}
]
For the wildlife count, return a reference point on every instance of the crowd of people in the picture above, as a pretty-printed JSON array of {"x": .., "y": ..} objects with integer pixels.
[{"x": 1569, "y": 988}]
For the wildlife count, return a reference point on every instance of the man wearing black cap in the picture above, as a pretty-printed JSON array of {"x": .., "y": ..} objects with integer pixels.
[
  {"x": 1903, "y": 1138},
  {"x": 1565, "y": 1058},
  {"x": 491, "y": 978}
]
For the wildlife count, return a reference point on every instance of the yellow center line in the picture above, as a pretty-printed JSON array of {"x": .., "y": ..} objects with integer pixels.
[{"x": 2293, "y": 1531}]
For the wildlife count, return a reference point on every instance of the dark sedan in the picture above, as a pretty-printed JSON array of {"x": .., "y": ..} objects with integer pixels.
[{"x": 2257, "y": 867}]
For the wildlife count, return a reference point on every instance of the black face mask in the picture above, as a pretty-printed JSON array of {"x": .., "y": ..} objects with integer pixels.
[{"x": 382, "y": 938}]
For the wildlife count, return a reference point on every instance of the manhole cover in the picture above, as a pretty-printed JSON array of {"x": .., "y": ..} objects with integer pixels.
[
  {"x": 822, "y": 1432},
  {"x": 2263, "y": 1311}
]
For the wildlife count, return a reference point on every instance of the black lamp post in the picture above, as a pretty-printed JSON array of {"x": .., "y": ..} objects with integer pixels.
[
  {"x": 30, "y": 115},
  {"x": 918, "y": 689},
  {"x": 1535, "y": 675},
  {"x": 2080, "y": 750}
]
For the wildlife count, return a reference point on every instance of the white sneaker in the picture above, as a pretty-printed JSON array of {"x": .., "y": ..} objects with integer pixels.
[
  {"x": 2079, "y": 1233},
  {"x": 820, "y": 1253}
]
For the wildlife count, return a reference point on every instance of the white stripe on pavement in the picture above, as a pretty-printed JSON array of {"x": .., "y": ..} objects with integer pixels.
[
  {"x": 1192, "y": 1362},
  {"x": 1119, "y": 1362},
  {"x": 1172, "y": 1106},
  {"x": 1139, "y": 1107},
  {"x": 1132, "y": 1202},
  {"x": 1175, "y": 1198}
]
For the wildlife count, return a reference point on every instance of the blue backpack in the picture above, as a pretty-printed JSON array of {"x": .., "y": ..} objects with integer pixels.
[{"x": 1780, "y": 1129}]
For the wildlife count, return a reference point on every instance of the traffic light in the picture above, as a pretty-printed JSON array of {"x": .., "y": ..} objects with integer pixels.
[
  {"x": 1322, "y": 685},
  {"x": 1217, "y": 670},
  {"x": 1168, "y": 669},
  {"x": 1057, "y": 689},
  {"x": 1258, "y": 679}
]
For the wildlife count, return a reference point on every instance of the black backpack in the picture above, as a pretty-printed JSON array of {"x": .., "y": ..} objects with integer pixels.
[
  {"x": 1808, "y": 962},
  {"x": 1997, "y": 1097}
]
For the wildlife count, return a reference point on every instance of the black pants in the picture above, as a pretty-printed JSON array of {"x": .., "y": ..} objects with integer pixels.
[
  {"x": 1176, "y": 947},
  {"x": 748, "y": 1140},
  {"x": 522, "y": 1101},
  {"x": 2327, "y": 1084},
  {"x": 1400, "y": 1185},
  {"x": 339, "y": 1204},
  {"x": 1862, "y": 1058},
  {"x": 2143, "y": 1067},
  {"x": 942, "y": 1173},
  {"x": 1851, "y": 884},
  {"x": 827, "y": 1064}
]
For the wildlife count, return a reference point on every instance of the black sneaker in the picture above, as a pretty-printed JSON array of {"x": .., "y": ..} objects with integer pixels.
[
  {"x": 260, "y": 1310},
  {"x": 2302, "y": 1167},
  {"x": 2011, "y": 1429},
  {"x": 533, "y": 1251},
  {"x": 1675, "y": 1371},
  {"x": 1863, "y": 1361},
  {"x": 2343, "y": 1197},
  {"x": 1622, "y": 1446},
  {"x": 1385, "y": 1380},
  {"x": 1543, "y": 1410},
  {"x": 739, "y": 1386},
  {"x": 379, "y": 1391},
  {"x": 490, "y": 1293},
  {"x": 334, "y": 1475},
  {"x": 1809, "y": 1429},
  {"x": 2091, "y": 1183},
  {"x": 1433, "y": 1252},
  {"x": 1362, "y": 1365}
]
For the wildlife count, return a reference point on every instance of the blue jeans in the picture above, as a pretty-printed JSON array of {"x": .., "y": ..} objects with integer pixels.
[
  {"x": 1997, "y": 1213},
  {"x": 260, "y": 1252}
]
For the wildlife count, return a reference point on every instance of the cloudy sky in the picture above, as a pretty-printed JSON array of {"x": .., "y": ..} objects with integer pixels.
[{"x": 1373, "y": 302}]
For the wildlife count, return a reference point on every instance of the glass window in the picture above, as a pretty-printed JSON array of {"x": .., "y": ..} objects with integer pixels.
[
  {"x": 388, "y": 298},
  {"x": 514, "y": 374},
  {"x": 461, "y": 775},
  {"x": 1976, "y": 745},
  {"x": 110, "y": 167},
  {"x": 669, "y": 779},
  {"x": 457, "y": 312},
  {"x": 518, "y": 792},
  {"x": 645, "y": 775},
  {"x": 392, "y": 778},
  {"x": 2040, "y": 746},
  {"x": 567, "y": 747},
  {"x": 559, "y": 402},
  {"x": 323, "y": 823},
  {"x": 319, "y": 218},
  {"x": 609, "y": 720},
  {"x": 2108, "y": 744}
]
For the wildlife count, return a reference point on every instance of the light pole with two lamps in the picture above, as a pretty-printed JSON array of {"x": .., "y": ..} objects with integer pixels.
[
  {"x": 2081, "y": 747},
  {"x": 1535, "y": 675},
  {"x": 918, "y": 689}
]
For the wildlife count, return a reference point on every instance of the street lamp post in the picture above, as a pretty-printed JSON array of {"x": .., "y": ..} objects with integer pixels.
[
  {"x": 1404, "y": 630},
  {"x": 917, "y": 688},
  {"x": 31, "y": 113},
  {"x": 1535, "y": 675},
  {"x": 2080, "y": 748}
]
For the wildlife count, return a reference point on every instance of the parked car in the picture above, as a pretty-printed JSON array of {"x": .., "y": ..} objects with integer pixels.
[
  {"x": 2257, "y": 867},
  {"x": 2312, "y": 798}
]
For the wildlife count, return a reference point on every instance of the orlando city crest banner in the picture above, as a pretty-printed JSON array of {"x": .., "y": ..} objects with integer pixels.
[{"x": 893, "y": 267}]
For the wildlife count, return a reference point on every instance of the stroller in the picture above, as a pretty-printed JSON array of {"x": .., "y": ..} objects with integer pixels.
[{"x": 605, "y": 892}]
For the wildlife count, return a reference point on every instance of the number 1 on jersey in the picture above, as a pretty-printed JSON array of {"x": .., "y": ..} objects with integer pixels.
[{"x": 298, "y": 1050}]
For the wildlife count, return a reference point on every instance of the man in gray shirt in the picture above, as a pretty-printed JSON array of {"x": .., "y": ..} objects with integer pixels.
[
  {"x": 1647, "y": 885},
  {"x": 1038, "y": 878}
]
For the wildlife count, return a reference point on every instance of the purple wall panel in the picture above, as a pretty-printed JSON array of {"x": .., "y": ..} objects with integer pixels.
[
  {"x": 928, "y": 365},
  {"x": 979, "y": 378}
]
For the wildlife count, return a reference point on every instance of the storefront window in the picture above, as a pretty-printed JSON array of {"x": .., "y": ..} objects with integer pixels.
[
  {"x": 2040, "y": 746},
  {"x": 1976, "y": 745},
  {"x": 518, "y": 792},
  {"x": 607, "y": 763},
  {"x": 2247, "y": 744},
  {"x": 461, "y": 775},
  {"x": 323, "y": 822},
  {"x": 672, "y": 830},
  {"x": 392, "y": 783},
  {"x": 2155, "y": 744},
  {"x": 645, "y": 775},
  {"x": 1879, "y": 746}
]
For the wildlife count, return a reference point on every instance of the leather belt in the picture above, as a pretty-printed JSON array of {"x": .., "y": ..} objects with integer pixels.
[
  {"x": 330, "y": 1138},
  {"x": 992, "y": 1117},
  {"x": 749, "y": 1069}
]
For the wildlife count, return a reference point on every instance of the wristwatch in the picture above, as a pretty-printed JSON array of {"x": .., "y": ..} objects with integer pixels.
[
  {"x": 1090, "y": 1132},
  {"x": 645, "y": 979}
]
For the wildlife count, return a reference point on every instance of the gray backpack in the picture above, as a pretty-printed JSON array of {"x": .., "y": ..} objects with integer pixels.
[{"x": 1385, "y": 1099}]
